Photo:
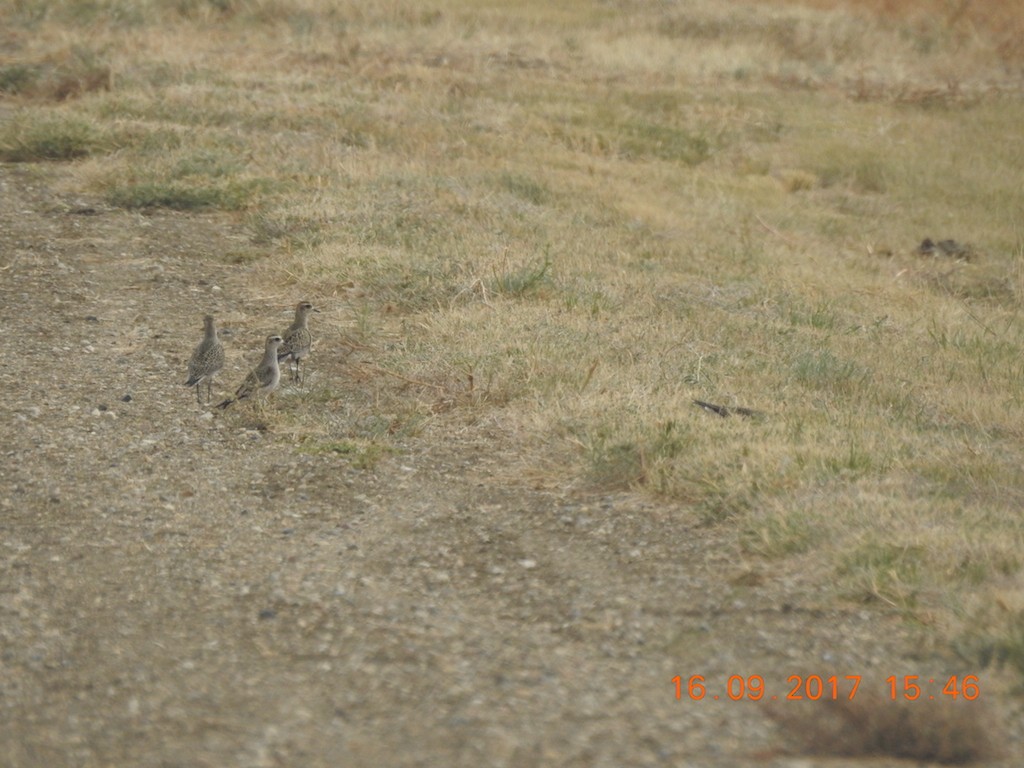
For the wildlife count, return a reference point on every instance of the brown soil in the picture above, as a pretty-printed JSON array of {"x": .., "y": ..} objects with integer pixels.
[{"x": 181, "y": 589}]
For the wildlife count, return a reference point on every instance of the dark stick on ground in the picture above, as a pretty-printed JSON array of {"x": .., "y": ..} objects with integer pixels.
[{"x": 728, "y": 410}]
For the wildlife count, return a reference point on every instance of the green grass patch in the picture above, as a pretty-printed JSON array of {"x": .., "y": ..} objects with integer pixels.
[
  {"x": 364, "y": 455},
  {"x": 823, "y": 370},
  {"x": 525, "y": 188},
  {"x": 18, "y": 78},
  {"x": 182, "y": 196},
  {"x": 184, "y": 179},
  {"x": 878, "y": 570},
  {"x": 33, "y": 136},
  {"x": 780, "y": 534},
  {"x": 994, "y": 639},
  {"x": 527, "y": 280}
]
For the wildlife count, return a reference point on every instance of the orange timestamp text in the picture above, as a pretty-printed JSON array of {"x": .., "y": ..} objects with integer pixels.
[{"x": 831, "y": 687}]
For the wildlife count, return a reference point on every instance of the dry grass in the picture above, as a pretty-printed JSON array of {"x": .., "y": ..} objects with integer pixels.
[
  {"x": 937, "y": 731},
  {"x": 569, "y": 222},
  {"x": 1001, "y": 21}
]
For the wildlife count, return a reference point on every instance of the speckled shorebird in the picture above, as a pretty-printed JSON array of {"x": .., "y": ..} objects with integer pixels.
[
  {"x": 206, "y": 361},
  {"x": 297, "y": 339},
  {"x": 263, "y": 379}
]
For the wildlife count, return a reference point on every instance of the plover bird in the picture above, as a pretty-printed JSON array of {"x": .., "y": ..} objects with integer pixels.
[
  {"x": 206, "y": 361},
  {"x": 297, "y": 340},
  {"x": 263, "y": 379}
]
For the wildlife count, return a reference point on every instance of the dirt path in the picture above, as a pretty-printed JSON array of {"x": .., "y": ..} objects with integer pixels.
[{"x": 183, "y": 590}]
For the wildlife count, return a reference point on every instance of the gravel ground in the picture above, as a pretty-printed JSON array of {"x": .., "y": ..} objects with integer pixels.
[{"x": 181, "y": 589}]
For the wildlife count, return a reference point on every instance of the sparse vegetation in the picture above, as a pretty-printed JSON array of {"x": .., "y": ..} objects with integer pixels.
[
  {"x": 994, "y": 637},
  {"x": 362, "y": 454},
  {"x": 946, "y": 732},
  {"x": 33, "y": 137},
  {"x": 181, "y": 196},
  {"x": 576, "y": 218}
]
